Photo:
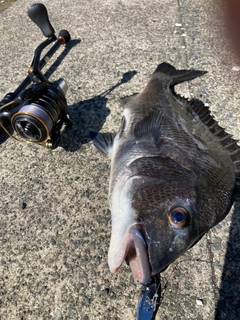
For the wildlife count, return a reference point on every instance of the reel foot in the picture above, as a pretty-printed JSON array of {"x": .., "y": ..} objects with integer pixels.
[{"x": 68, "y": 122}]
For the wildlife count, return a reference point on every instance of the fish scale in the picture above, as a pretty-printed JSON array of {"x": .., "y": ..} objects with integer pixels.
[{"x": 174, "y": 174}]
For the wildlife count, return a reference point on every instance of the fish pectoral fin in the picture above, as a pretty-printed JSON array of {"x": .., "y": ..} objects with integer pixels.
[
  {"x": 104, "y": 142},
  {"x": 150, "y": 125},
  {"x": 178, "y": 76}
]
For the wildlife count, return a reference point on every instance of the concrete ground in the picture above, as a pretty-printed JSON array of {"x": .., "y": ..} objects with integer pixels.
[{"x": 54, "y": 218}]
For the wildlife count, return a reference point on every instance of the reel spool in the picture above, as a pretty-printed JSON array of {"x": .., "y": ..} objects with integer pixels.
[{"x": 40, "y": 118}]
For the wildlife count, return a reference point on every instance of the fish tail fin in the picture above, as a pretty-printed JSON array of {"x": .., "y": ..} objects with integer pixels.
[{"x": 178, "y": 76}]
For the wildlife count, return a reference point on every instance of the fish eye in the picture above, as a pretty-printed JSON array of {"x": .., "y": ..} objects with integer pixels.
[{"x": 179, "y": 217}]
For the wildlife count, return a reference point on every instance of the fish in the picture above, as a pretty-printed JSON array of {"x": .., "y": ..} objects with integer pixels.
[{"x": 174, "y": 175}]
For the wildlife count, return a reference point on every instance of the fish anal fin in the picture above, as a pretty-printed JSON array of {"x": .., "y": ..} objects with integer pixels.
[
  {"x": 104, "y": 142},
  {"x": 150, "y": 125}
]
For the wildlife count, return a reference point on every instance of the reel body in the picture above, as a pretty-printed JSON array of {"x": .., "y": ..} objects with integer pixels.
[
  {"x": 37, "y": 109},
  {"x": 40, "y": 116}
]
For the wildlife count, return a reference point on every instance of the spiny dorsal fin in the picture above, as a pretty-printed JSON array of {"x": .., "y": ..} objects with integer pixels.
[
  {"x": 104, "y": 142},
  {"x": 224, "y": 138},
  {"x": 150, "y": 125},
  {"x": 178, "y": 76}
]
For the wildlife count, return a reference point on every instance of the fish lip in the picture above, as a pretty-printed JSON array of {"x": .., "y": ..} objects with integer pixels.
[{"x": 135, "y": 250}]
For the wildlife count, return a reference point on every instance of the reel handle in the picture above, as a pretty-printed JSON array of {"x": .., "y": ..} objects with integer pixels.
[
  {"x": 64, "y": 37},
  {"x": 38, "y": 14}
]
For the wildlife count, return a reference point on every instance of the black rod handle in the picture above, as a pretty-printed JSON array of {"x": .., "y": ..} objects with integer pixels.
[{"x": 38, "y": 14}]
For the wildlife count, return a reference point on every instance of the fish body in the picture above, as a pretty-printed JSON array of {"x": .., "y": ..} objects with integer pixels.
[{"x": 173, "y": 175}]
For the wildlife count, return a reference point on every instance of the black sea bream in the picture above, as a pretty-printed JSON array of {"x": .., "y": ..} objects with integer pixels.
[{"x": 173, "y": 175}]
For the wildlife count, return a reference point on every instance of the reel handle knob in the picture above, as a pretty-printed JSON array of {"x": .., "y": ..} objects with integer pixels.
[{"x": 38, "y": 14}]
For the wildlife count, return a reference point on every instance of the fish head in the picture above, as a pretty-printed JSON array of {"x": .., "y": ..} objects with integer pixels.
[
  {"x": 165, "y": 217},
  {"x": 159, "y": 226}
]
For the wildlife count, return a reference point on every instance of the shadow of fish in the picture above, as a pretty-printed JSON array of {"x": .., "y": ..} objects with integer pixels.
[{"x": 174, "y": 172}]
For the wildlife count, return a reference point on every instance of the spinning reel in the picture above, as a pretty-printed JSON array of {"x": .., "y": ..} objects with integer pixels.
[{"x": 37, "y": 109}]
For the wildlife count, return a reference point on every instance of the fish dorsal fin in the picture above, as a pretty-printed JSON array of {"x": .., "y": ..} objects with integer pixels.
[
  {"x": 104, "y": 142},
  {"x": 177, "y": 76},
  {"x": 224, "y": 138},
  {"x": 150, "y": 125}
]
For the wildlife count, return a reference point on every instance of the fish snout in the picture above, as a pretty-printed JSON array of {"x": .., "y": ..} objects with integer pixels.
[
  {"x": 138, "y": 256},
  {"x": 134, "y": 249}
]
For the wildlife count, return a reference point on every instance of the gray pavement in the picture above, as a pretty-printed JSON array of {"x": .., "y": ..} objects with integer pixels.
[{"x": 54, "y": 218}]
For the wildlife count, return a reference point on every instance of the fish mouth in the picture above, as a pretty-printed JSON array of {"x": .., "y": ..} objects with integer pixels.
[{"x": 134, "y": 249}]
